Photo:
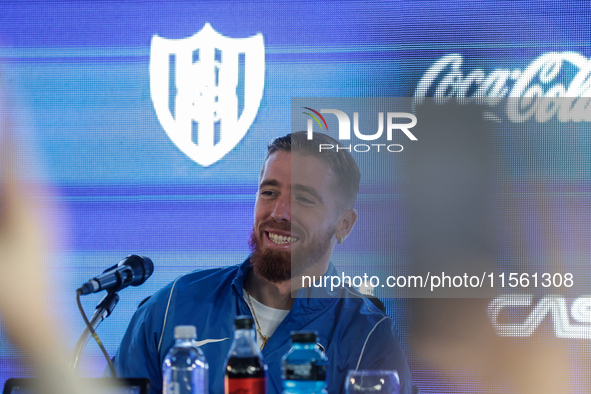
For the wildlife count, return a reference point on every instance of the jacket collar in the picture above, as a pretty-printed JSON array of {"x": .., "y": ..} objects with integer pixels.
[
  {"x": 314, "y": 298},
  {"x": 241, "y": 273}
]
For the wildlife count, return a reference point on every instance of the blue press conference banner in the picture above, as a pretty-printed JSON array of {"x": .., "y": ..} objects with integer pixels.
[{"x": 107, "y": 95}]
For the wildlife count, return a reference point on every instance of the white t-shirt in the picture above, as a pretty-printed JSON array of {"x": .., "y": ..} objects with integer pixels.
[{"x": 269, "y": 318}]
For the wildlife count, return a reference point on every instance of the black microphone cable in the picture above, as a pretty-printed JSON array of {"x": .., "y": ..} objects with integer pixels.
[{"x": 93, "y": 333}]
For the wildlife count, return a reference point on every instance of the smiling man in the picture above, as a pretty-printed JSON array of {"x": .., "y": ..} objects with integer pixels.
[{"x": 304, "y": 205}]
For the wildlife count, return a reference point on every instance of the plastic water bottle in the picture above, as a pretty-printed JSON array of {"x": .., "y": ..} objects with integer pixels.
[
  {"x": 304, "y": 366},
  {"x": 185, "y": 369}
]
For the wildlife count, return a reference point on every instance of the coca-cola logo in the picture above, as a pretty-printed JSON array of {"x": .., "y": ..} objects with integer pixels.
[{"x": 537, "y": 92}]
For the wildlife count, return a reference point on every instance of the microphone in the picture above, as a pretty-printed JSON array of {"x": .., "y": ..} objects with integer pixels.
[{"x": 131, "y": 271}]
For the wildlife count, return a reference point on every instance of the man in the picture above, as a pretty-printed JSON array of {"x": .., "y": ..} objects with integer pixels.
[{"x": 304, "y": 205}]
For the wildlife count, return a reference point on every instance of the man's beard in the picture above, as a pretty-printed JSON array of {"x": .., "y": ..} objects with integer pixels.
[{"x": 276, "y": 266}]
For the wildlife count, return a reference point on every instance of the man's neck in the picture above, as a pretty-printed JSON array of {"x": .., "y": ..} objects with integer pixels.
[
  {"x": 279, "y": 295},
  {"x": 273, "y": 295}
]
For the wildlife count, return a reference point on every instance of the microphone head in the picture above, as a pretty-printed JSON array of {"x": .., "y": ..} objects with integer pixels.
[{"x": 141, "y": 266}]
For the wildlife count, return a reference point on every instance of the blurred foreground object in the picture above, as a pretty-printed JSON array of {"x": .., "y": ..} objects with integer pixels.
[
  {"x": 462, "y": 189},
  {"x": 23, "y": 292}
]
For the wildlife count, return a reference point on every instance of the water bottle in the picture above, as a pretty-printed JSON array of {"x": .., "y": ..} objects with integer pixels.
[
  {"x": 304, "y": 366},
  {"x": 245, "y": 369},
  {"x": 185, "y": 369}
]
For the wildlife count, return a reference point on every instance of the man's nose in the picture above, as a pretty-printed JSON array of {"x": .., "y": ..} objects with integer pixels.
[{"x": 282, "y": 209}]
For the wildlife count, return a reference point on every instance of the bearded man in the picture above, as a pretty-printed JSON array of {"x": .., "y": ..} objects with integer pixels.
[{"x": 304, "y": 205}]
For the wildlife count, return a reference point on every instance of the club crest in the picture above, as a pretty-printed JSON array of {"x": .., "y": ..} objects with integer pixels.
[{"x": 206, "y": 90}]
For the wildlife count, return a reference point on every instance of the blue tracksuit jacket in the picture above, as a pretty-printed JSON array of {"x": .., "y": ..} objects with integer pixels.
[{"x": 354, "y": 333}]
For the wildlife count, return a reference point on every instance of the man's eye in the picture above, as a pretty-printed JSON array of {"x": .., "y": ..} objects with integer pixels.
[
  {"x": 267, "y": 193},
  {"x": 304, "y": 200}
]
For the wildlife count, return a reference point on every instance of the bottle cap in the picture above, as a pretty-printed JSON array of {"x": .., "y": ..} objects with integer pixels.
[
  {"x": 243, "y": 322},
  {"x": 185, "y": 332},
  {"x": 304, "y": 336}
]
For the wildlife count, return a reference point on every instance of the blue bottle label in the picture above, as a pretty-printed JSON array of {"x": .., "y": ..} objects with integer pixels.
[{"x": 308, "y": 371}]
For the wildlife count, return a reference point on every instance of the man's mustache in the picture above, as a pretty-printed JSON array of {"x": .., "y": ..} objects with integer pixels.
[{"x": 271, "y": 224}]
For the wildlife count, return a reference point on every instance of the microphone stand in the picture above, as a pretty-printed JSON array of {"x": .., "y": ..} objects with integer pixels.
[{"x": 102, "y": 311}]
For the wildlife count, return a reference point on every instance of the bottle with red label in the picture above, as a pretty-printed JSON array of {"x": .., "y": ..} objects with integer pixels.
[{"x": 245, "y": 369}]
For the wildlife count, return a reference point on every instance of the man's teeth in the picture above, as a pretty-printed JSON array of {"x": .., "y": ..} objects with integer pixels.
[{"x": 280, "y": 239}]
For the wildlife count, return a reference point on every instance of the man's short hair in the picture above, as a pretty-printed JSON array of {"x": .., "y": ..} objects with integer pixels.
[{"x": 340, "y": 163}]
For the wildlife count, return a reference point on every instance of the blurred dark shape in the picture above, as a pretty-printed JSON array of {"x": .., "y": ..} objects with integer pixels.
[{"x": 452, "y": 211}]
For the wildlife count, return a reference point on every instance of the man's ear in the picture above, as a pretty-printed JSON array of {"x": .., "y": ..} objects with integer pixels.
[{"x": 345, "y": 223}]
